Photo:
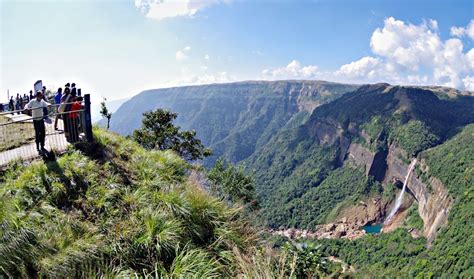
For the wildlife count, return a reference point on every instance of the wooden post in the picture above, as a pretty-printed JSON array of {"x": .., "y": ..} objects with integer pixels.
[{"x": 88, "y": 118}]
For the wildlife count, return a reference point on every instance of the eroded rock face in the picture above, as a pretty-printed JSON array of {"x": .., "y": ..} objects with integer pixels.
[
  {"x": 433, "y": 199},
  {"x": 365, "y": 212},
  {"x": 358, "y": 155}
]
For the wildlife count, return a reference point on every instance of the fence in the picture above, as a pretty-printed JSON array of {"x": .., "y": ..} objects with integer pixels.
[{"x": 17, "y": 133}]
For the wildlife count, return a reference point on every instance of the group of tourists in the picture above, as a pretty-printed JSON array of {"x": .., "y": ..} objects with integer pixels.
[
  {"x": 17, "y": 104},
  {"x": 67, "y": 105}
]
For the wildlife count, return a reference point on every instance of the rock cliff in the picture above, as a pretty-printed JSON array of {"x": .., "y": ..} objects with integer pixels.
[{"x": 432, "y": 196}]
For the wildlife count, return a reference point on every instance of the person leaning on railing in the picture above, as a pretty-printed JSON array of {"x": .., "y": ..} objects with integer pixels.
[{"x": 36, "y": 106}]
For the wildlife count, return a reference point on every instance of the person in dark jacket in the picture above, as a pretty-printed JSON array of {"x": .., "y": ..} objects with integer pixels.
[{"x": 11, "y": 104}]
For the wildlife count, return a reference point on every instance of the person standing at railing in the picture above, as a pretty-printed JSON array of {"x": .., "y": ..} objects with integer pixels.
[
  {"x": 74, "y": 118},
  {"x": 36, "y": 106},
  {"x": 73, "y": 89},
  {"x": 64, "y": 108},
  {"x": 11, "y": 104},
  {"x": 45, "y": 110},
  {"x": 18, "y": 103},
  {"x": 57, "y": 102}
]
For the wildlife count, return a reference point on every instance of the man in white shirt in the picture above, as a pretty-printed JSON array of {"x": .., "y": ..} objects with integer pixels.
[{"x": 36, "y": 106}]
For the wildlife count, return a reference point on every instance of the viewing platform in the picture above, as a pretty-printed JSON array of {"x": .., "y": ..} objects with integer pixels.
[{"x": 17, "y": 134}]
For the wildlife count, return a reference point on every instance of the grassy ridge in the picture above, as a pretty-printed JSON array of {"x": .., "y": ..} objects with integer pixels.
[{"x": 122, "y": 211}]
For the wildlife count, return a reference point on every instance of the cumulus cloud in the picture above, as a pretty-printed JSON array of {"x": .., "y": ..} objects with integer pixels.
[
  {"x": 463, "y": 31},
  {"x": 293, "y": 70},
  {"x": 162, "y": 9},
  {"x": 365, "y": 67},
  {"x": 181, "y": 54},
  {"x": 402, "y": 53},
  {"x": 407, "y": 53},
  {"x": 468, "y": 83}
]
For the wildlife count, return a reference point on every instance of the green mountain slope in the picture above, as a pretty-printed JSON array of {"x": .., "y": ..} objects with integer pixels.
[
  {"x": 294, "y": 164},
  {"x": 451, "y": 253},
  {"x": 120, "y": 211},
  {"x": 232, "y": 119}
]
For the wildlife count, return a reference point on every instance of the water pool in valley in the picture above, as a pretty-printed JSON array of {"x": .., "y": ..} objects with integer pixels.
[{"x": 373, "y": 228}]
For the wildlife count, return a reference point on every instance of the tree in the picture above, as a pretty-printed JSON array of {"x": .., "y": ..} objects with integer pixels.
[
  {"x": 159, "y": 132},
  {"x": 105, "y": 112},
  {"x": 232, "y": 183}
]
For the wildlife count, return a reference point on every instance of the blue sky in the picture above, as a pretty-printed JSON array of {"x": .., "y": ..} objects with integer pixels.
[{"x": 116, "y": 49}]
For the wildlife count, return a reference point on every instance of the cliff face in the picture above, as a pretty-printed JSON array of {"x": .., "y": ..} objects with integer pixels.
[
  {"x": 432, "y": 197},
  {"x": 234, "y": 119}
]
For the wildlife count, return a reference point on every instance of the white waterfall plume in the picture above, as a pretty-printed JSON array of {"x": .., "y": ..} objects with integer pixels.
[{"x": 398, "y": 203}]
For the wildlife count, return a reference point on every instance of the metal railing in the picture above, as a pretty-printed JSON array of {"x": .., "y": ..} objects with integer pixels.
[{"x": 17, "y": 130}]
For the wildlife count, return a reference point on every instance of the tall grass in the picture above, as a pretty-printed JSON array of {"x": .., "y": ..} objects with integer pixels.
[{"x": 120, "y": 212}]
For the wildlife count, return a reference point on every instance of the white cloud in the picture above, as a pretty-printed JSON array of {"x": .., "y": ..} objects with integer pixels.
[
  {"x": 206, "y": 57},
  {"x": 181, "y": 54},
  {"x": 364, "y": 67},
  {"x": 462, "y": 31},
  {"x": 162, "y": 9},
  {"x": 409, "y": 53},
  {"x": 188, "y": 78},
  {"x": 433, "y": 24},
  {"x": 407, "y": 45},
  {"x": 403, "y": 53},
  {"x": 293, "y": 70},
  {"x": 468, "y": 83},
  {"x": 457, "y": 31}
]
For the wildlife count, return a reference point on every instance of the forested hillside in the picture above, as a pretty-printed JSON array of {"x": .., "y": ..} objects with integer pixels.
[
  {"x": 451, "y": 252},
  {"x": 232, "y": 119},
  {"x": 294, "y": 170}
]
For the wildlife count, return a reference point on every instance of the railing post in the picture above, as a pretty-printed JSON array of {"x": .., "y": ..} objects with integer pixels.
[{"x": 88, "y": 118}]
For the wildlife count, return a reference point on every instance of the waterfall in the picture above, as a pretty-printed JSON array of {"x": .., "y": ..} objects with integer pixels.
[{"x": 398, "y": 203}]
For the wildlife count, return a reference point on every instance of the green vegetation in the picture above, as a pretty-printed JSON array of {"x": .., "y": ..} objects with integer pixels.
[
  {"x": 125, "y": 210},
  {"x": 343, "y": 185},
  {"x": 235, "y": 119},
  {"x": 413, "y": 218},
  {"x": 232, "y": 183},
  {"x": 414, "y": 137},
  {"x": 451, "y": 252},
  {"x": 104, "y": 112},
  {"x": 120, "y": 211},
  {"x": 159, "y": 132}
]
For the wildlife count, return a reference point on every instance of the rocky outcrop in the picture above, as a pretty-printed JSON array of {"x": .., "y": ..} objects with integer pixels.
[
  {"x": 326, "y": 231},
  {"x": 433, "y": 199},
  {"x": 365, "y": 212},
  {"x": 358, "y": 155},
  {"x": 348, "y": 225}
]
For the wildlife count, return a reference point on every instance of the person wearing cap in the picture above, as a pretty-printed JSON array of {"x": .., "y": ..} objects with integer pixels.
[{"x": 36, "y": 106}]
